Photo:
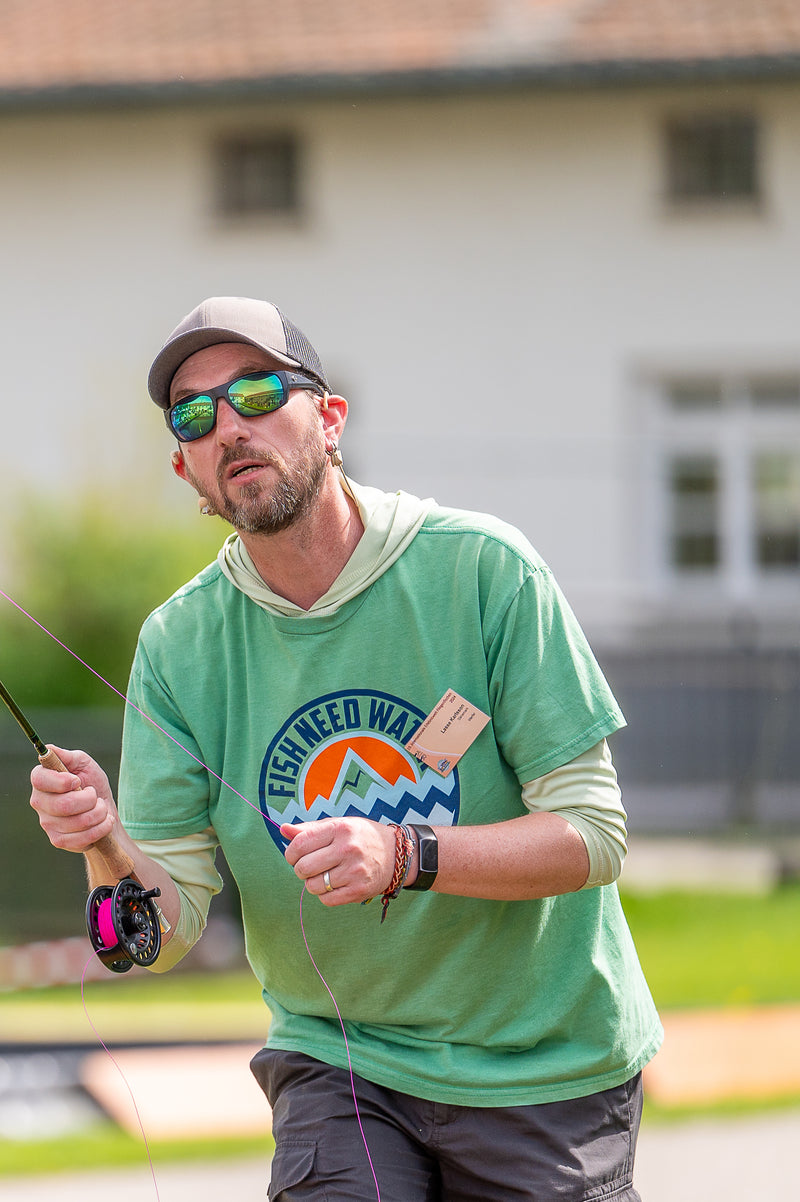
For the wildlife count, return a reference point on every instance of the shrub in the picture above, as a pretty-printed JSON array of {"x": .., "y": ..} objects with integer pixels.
[{"x": 90, "y": 575}]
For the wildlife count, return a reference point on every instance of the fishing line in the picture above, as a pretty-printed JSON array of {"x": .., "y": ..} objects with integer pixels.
[
  {"x": 258, "y": 810},
  {"x": 135, "y": 707},
  {"x": 346, "y": 1048},
  {"x": 108, "y": 1052}
]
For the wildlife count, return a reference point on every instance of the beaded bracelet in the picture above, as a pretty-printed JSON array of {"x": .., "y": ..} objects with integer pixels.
[{"x": 404, "y": 851}]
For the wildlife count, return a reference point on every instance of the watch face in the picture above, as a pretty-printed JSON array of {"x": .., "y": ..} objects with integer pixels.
[{"x": 429, "y": 855}]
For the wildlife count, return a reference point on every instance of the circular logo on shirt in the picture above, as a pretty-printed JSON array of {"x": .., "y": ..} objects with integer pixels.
[{"x": 342, "y": 755}]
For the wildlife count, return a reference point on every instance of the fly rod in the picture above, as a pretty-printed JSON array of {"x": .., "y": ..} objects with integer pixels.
[{"x": 123, "y": 922}]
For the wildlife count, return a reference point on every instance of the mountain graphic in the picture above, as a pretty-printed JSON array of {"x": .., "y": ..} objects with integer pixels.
[
  {"x": 356, "y": 778},
  {"x": 434, "y": 800},
  {"x": 360, "y": 790}
]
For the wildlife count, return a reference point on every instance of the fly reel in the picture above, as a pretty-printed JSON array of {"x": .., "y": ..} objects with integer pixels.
[{"x": 123, "y": 925}]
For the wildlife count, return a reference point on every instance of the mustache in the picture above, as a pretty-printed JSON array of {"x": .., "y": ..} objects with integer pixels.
[{"x": 231, "y": 455}]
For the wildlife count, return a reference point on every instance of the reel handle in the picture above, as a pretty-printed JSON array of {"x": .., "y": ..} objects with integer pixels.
[{"x": 118, "y": 862}]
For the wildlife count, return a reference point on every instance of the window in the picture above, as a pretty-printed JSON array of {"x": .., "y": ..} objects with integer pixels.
[
  {"x": 711, "y": 157},
  {"x": 694, "y": 489},
  {"x": 776, "y": 500},
  {"x": 724, "y": 477},
  {"x": 257, "y": 176}
]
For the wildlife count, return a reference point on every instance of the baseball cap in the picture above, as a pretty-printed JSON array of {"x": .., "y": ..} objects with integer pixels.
[{"x": 233, "y": 319}]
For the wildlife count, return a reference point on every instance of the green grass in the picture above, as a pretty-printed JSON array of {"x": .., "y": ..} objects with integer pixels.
[
  {"x": 139, "y": 1006},
  {"x": 723, "y": 1109},
  {"x": 716, "y": 949},
  {"x": 106, "y": 1145}
]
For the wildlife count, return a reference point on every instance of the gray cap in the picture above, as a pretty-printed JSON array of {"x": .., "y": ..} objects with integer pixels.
[{"x": 233, "y": 319}]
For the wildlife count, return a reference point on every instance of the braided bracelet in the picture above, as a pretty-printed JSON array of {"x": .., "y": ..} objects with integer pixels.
[{"x": 404, "y": 850}]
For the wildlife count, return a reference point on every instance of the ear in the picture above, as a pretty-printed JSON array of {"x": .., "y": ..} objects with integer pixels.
[
  {"x": 333, "y": 411},
  {"x": 179, "y": 465}
]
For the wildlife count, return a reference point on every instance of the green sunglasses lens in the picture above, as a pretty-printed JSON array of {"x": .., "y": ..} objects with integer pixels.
[
  {"x": 251, "y": 397},
  {"x": 193, "y": 418}
]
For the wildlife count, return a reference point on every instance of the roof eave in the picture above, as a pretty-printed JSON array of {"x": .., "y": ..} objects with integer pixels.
[{"x": 420, "y": 81}]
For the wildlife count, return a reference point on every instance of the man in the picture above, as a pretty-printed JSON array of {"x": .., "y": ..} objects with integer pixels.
[{"x": 497, "y": 1021}]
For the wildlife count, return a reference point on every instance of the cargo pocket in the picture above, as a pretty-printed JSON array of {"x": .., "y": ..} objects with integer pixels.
[{"x": 291, "y": 1166}]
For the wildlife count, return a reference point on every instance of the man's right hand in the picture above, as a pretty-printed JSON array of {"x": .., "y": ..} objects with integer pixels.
[{"x": 76, "y": 807}]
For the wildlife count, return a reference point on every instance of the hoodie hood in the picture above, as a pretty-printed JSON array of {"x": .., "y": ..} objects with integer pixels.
[{"x": 391, "y": 520}]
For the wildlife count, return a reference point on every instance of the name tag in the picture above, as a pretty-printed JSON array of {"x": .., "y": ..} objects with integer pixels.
[{"x": 448, "y": 731}]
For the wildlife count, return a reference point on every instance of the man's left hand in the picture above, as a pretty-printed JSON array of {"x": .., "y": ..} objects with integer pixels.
[{"x": 342, "y": 860}]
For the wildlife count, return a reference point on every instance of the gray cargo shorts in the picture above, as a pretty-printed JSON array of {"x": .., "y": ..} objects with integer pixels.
[{"x": 576, "y": 1151}]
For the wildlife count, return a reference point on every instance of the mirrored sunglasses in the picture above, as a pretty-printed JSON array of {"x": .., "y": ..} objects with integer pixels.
[{"x": 250, "y": 396}]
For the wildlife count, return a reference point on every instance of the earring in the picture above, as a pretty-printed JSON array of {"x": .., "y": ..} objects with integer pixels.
[
  {"x": 206, "y": 507},
  {"x": 334, "y": 454}
]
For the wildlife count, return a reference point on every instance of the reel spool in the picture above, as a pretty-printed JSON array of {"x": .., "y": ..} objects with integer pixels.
[{"x": 123, "y": 925}]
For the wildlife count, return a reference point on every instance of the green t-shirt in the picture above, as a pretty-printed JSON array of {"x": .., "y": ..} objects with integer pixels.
[{"x": 453, "y": 999}]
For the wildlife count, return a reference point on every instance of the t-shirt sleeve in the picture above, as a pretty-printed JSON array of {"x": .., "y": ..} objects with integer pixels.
[
  {"x": 164, "y": 784},
  {"x": 550, "y": 701}
]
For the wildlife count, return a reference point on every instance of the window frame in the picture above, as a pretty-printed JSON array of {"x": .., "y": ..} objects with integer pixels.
[
  {"x": 706, "y": 124},
  {"x": 232, "y": 209},
  {"x": 734, "y": 434}
]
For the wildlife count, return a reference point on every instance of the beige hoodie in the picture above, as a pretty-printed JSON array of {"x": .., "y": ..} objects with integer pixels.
[{"x": 390, "y": 522}]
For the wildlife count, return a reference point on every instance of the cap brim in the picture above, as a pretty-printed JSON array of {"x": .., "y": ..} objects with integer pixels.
[{"x": 176, "y": 352}]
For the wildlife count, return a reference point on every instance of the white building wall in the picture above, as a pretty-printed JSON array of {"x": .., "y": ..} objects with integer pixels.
[{"x": 486, "y": 277}]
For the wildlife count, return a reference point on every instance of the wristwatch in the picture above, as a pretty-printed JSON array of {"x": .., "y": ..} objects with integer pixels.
[{"x": 428, "y": 857}]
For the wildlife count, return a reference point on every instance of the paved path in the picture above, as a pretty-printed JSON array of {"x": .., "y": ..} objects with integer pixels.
[
  {"x": 710, "y": 1160},
  {"x": 719, "y": 1160}
]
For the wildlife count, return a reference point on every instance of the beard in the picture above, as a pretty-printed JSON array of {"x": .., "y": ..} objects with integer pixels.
[{"x": 264, "y": 509}]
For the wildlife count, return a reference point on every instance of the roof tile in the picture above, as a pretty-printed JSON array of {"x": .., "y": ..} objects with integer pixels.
[{"x": 51, "y": 44}]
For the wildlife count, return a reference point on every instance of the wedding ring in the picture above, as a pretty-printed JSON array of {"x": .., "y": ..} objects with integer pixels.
[{"x": 326, "y": 876}]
